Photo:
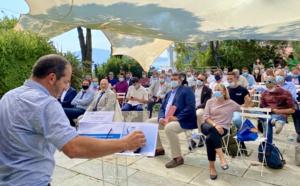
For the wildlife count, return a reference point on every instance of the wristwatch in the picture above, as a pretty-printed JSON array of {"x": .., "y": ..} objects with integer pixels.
[{"x": 214, "y": 125}]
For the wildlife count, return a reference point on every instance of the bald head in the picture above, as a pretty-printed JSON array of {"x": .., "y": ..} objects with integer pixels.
[{"x": 104, "y": 84}]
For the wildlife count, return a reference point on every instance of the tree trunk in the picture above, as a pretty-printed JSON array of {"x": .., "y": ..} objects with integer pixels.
[
  {"x": 81, "y": 42},
  {"x": 215, "y": 52},
  {"x": 88, "y": 48}
]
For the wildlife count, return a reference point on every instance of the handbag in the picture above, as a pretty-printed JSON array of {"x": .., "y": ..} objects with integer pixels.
[{"x": 248, "y": 132}]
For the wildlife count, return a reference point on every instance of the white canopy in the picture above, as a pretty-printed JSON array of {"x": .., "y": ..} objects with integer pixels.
[{"x": 143, "y": 29}]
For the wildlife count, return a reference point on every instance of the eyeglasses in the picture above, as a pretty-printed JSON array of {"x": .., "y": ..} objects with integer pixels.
[
  {"x": 200, "y": 79},
  {"x": 110, "y": 74},
  {"x": 269, "y": 82}
]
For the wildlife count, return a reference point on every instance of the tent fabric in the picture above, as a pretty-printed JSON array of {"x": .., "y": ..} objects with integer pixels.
[{"x": 152, "y": 25}]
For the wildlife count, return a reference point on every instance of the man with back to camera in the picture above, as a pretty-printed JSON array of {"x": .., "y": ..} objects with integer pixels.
[{"x": 34, "y": 124}]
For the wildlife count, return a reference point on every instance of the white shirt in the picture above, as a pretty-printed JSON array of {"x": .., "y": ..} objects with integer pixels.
[
  {"x": 140, "y": 93},
  {"x": 295, "y": 81},
  {"x": 224, "y": 77},
  {"x": 62, "y": 97},
  {"x": 210, "y": 79},
  {"x": 212, "y": 85},
  {"x": 159, "y": 89},
  {"x": 191, "y": 81},
  {"x": 198, "y": 93}
]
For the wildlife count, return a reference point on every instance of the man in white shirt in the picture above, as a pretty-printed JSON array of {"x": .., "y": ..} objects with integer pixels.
[
  {"x": 95, "y": 85},
  {"x": 218, "y": 80},
  {"x": 137, "y": 96},
  {"x": 210, "y": 77},
  {"x": 225, "y": 71},
  {"x": 192, "y": 79}
]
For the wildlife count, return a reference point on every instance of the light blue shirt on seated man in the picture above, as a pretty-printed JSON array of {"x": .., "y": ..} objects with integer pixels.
[
  {"x": 83, "y": 101},
  {"x": 33, "y": 124}
]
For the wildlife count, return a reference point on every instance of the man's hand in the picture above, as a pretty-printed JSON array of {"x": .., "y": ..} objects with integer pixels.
[
  {"x": 173, "y": 118},
  {"x": 252, "y": 91},
  {"x": 157, "y": 99},
  {"x": 247, "y": 101},
  {"x": 275, "y": 111},
  {"x": 134, "y": 140},
  {"x": 162, "y": 121}
]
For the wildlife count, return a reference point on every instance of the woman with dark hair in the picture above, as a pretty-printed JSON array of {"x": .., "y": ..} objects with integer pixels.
[
  {"x": 183, "y": 79},
  {"x": 292, "y": 62},
  {"x": 257, "y": 75},
  {"x": 257, "y": 63}
]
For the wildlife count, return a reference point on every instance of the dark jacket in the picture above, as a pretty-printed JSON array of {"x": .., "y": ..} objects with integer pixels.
[
  {"x": 205, "y": 96},
  {"x": 70, "y": 95},
  {"x": 184, "y": 100}
]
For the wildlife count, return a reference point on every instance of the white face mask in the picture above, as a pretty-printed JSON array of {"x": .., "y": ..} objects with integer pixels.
[{"x": 272, "y": 89}]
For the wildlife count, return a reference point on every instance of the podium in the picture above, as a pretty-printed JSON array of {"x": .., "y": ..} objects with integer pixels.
[{"x": 100, "y": 125}]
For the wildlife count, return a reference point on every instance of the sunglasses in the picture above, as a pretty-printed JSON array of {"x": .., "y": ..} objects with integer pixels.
[
  {"x": 200, "y": 79},
  {"x": 269, "y": 82}
]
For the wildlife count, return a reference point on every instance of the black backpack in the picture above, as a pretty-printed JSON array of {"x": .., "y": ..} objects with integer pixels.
[{"x": 274, "y": 158}]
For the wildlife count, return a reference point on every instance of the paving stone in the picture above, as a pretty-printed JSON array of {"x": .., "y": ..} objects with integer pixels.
[
  {"x": 64, "y": 161},
  {"x": 184, "y": 173},
  {"x": 81, "y": 180},
  {"x": 61, "y": 174}
]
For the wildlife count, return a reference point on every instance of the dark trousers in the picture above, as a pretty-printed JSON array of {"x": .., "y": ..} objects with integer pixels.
[
  {"x": 151, "y": 104},
  {"x": 213, "y": 140},
  {"x": 73, "y": 113},
  {"x": 129, "y": 107},
  {"x": 296, "y": 119}
]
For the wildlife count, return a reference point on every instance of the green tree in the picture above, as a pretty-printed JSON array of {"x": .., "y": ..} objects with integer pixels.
[{"x": 18, "y": 53}]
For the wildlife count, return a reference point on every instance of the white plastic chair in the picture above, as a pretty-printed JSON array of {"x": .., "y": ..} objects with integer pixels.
[
  {"x": 121, "y": 96},
  {"x": 249, "y": 112}
]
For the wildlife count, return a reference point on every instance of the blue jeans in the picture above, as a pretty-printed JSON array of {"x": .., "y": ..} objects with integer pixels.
[
  {"x": 270, "y": 126},
  {"x": 129, "y": 107},
  {"x": 237, "y": 119}
]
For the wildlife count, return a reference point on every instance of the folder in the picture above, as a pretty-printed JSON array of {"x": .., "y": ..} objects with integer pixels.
[{"x": 171, "y": 112}]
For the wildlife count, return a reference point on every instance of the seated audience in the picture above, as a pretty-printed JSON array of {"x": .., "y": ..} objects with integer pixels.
[
  {"x": 202, "y": 95},
  {"x": 122, "y": 85},
  {"x": 249, "y": 77},
  {"x": 217, "y": 118},
  {"x": 144, "y": 81},
  {"x": 210, "y": 77},
  {"x": 225, "y": 71},
  {"x": 81, "y": 102},
  {"x": 238, "y": 94},
  {"x": 287, "y": 69},
  {"x": 294, "y": 77},
  {"x": 128, "y": 78},
  {"x": 168, "y": 80},
  {"x": 67, "y": 96},
  {"x": 281, "y": 103},
  {"x": 157, "y": 92},
  {"x": 241, "y": 79},
  {"x": 194, "y": 81},
  {"x": 183, "y": 119},
  {"x": 95, "y": 85},
  {"x": 112, "y": 81},
  {"x": 190, "y": 78},
  {"x": 104, "y": 100},
  {"x": 151, "y": 78},
  {"x": 257, "y": 75},
  {"x": 292, "y": 63},
  {"x": 257, "y": 63},
  {"x": 218, "y": 80},
  {"x": 183, "y": 79},
  {"x": 136, "y": 96}
]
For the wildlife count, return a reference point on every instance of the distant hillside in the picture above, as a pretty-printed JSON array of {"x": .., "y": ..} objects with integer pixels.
[{"x": 101, "y": 56}]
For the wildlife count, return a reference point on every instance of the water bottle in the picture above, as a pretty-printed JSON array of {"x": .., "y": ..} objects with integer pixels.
[{"x": 291, "y": 140}]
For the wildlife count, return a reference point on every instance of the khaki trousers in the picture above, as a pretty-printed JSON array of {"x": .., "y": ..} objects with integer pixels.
[
  {"x": 172, "y": 130},
  {"x": 199, "y": 114}
]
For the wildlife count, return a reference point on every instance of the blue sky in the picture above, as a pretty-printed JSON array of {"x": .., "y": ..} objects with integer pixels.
[{"x": 64, "y": 41}]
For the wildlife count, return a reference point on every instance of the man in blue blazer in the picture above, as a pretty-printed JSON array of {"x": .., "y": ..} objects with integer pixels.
[
  {"x": 67, "y": 97},
  {"x": 183, "y": 119}
]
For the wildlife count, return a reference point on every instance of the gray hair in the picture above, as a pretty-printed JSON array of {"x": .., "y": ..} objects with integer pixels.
[
  {"x": 281, "y": 70},
  {"x": 236, "y": 71}
]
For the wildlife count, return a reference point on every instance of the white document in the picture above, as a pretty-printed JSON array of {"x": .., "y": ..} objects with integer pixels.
[
  {"x": 97, "y": 117},
  {"x": 101, "y": 131}
]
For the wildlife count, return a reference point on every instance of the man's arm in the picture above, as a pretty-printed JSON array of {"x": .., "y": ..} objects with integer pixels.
[{"x": 86, "y": 147}]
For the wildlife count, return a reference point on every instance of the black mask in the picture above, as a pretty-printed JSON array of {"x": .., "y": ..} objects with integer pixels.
[
  {"x": 217, "y": 77},
  {"x": 84, "y": 87}
]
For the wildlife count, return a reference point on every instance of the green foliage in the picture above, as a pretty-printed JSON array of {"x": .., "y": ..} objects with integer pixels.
[
  {"x": 296, "y": 50},
  {"x": 117, "y": 65},
  {"x": 78, "y": 70},
  {"x": 8, "y": 24}
]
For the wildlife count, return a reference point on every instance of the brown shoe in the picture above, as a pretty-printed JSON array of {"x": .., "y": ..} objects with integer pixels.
[
  {"x": 173, "y": 163},
  {"x": 159, "y": 152}
]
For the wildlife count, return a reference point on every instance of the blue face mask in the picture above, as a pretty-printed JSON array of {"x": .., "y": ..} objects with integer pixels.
[
  {"x": 155, "y": 79},
  {"x": 245, "y": 74},
  {"x": 161, "y": 80},
  {"x": 295, "y": 75},
  {"x": 225, "y": 72},
  {"x": 256, "y": 71},
  {"x": 208, "y": 73},
  {"x": 95, "y": 84},
  {"x": 174, "y": 84},
  {"x": 279, "y": 79},
  {"x": 217, "y": 77},
  {"x": 218, "y": 94},
  {"x": 182, "y": 79},
  {"x": 127, "y": 77},
  {"x": 262, "y": 70},
  {"x": 231, "y": 84},
  {"x": 287, "y": 71},
  {"x": 199, "y": 82},
  {"x": 121, "y": 79},
  {"x": 195, "y": 78},
  {"x": 136, "y": 86}
]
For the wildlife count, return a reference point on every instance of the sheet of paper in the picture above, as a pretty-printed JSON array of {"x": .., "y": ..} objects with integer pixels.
[
  {"x": 101, "y": 131},
  {"x": 97, "y": 117}
]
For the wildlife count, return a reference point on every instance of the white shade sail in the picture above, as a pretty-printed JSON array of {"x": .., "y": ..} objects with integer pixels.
[{"x": 143, "y": 29}]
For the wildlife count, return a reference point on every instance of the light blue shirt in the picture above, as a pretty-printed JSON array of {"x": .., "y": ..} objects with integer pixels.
[
  {"x": 84, "y": 101},
  {"x": 170, "y": 100},
  {"x": 32, "y": 125},
  {"x": 289, "y": 86},
  {"x": 251, "y": 80}
]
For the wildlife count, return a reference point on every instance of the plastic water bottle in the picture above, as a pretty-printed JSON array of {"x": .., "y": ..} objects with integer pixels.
[{"x": 290, "y": 141}]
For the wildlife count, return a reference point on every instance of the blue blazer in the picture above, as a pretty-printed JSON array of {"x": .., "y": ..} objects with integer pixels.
[
  {"x": 70, "y": 95},
  {"x": 184, "y": 100},
  {"x": 289, "y": 78}
]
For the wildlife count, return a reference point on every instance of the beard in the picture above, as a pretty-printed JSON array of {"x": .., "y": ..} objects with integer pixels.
[{"x": 56, "y": 90}]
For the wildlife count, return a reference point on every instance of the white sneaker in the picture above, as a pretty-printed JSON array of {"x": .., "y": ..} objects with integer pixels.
[{"x": 278, "y": 126}]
